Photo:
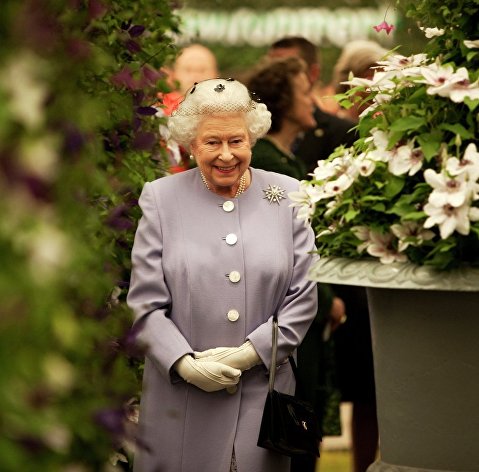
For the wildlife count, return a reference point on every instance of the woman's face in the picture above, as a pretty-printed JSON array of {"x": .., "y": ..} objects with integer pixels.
[
  {"x": 222, "y": 150},
  {"x": 303, "y": 105}
]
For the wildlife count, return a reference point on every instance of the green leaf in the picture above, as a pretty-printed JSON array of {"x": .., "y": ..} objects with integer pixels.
[
  {"x": 408, "y": 123},
  {"x": 419, "y": 93},
  {"x": 351, "y": 214},
  {"x": 394, "y": 138},
  {"x": 457, "y": 129},
  {"x": 471, "y": 104},
  {"x": 414, "y": 216},
  {"x": 471, "y": 55},
  {"x": 372, "y": 198},
  {"x": 379, "y": 207},
  {"x": 430, "y": 144},
  {"x": 401, "y": 209},
  {"x": 475, "y": 230},
  {"x": 393, "y": 186}
]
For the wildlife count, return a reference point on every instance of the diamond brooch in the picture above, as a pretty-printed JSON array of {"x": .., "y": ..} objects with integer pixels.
[{"x": 274, "y": 194}]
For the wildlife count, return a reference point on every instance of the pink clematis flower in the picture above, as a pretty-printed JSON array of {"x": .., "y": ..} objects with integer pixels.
[
  {"x": 381, "y": 245},
  {"x": 384, "y": 26}
]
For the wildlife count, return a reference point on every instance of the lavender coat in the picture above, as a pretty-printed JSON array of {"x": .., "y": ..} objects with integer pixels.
[{"x": 180, "y": 290}]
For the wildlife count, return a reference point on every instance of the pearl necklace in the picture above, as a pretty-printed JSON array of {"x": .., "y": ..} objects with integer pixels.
[{"x": 241, "y": 187}]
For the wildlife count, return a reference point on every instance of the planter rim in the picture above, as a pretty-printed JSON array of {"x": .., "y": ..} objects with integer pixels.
[{"x": 371, "y": 273}]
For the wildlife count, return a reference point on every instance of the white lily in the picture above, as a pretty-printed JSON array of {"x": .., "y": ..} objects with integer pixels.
[
  {"x": 410, "y": 232},
  {"x": 460, "y": 90},
  {"x": 339, "y": 185},
  {"x": 380, "y": 81},
  {"x": 471, "y": 44},
  {"x": 305, "y": 198},
  {"x": 401, "y": 66},
  {"x": 448, "y": 218},
  {"x": 406, "y": 159},
  {"x": 446, "y": 82},
  {"x": 364, "y": 165},
  {"x": 324, "y": 170},
  {"x": 380, "y": 141},
  {"x": 362, "y": 233},
  {"x": 440, "y": 77},
  {"x": 447, "y": 190},
  {"x": 381, "y": 246},
  {"x": 469, "y": 164},
  {"x": 306, "y": 207},
  {"x": 432, "y": 32},
  {"x": 474, "y": 214}
]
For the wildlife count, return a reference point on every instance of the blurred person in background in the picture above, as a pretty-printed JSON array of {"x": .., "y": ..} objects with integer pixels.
[
  {"x": 194, "y": 63},
  {"x": 283, "y": 85},
  {"x": 351, "y": 340},
  {"x": 330, "y": 131},
  {"x": 358, "y": 58}
]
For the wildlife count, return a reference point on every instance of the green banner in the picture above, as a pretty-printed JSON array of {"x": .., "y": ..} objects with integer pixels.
[{"x": 250, "y": 27}]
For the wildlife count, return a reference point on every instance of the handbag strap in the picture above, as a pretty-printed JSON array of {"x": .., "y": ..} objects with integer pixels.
[{"x": 274, "y": 355}]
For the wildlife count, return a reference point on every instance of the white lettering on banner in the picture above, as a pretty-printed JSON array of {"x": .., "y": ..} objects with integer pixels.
[{"x": 249, "y": 27}]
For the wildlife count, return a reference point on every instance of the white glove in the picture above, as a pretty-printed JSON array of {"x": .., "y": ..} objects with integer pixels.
[
  {"x": 243, "y": 357},
  {"x": 208, "y": 376}
]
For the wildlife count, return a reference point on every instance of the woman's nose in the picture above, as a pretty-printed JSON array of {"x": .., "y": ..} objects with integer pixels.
[{"x": 226, "y": 154}]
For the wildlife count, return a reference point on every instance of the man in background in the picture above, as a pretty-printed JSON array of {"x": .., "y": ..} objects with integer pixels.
[
  {"x": 194, "y": 63},
  {"x": 331, "y": 131}
]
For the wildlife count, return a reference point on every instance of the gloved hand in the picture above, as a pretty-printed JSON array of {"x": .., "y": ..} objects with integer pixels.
[
  {"x": 208, "y": 376},
  {"x": 243, "y": 357}
]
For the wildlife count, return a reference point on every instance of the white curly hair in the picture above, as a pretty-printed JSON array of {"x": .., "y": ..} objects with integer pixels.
[{"x": 217, "y": 96}]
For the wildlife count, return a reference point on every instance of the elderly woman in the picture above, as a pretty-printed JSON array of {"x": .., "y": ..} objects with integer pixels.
[{"x": 218, "y": 251}]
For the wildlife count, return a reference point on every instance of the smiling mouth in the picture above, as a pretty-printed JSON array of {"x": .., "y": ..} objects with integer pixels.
[{"x": 225, "y": 169}]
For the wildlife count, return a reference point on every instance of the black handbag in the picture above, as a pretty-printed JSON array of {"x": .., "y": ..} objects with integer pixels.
[{"x": 289, "y": 425}]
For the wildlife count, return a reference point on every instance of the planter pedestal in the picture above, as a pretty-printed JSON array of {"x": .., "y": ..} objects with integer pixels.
[{"x": 425, "y": 334}]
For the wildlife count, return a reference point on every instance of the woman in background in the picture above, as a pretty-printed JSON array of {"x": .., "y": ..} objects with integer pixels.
[{"x": 282, "y": 84}]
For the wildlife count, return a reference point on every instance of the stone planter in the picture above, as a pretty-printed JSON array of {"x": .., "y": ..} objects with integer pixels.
[{"x": 425, "y": 334}]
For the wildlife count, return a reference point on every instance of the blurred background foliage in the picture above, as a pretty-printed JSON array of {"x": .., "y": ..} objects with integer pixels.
[{"x": 77, "y": 141}]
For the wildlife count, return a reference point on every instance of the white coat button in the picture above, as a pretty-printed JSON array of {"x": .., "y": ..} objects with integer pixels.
[
  {"x": 233, "y": 315},
  {"x": 228, "y": 206},
  {"x": 231, "y": 239},
  {"x": 234, "y": 276}
]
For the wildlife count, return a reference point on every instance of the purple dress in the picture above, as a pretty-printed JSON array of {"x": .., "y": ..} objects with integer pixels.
[{"x": 182, "y": 290}]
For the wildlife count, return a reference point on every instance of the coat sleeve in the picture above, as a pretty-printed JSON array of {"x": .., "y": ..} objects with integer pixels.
[
  {"x": 148, "y": 296},
  {"x": 297, "y": 308}
]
